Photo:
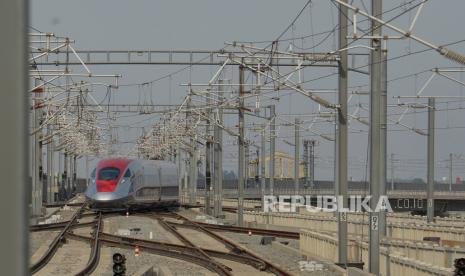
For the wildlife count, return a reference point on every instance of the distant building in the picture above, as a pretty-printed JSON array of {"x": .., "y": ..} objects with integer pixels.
[{"x": 284, "y": 166}]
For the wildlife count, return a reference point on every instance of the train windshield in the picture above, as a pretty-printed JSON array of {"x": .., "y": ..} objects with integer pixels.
[{"x": 109, "y": 173}]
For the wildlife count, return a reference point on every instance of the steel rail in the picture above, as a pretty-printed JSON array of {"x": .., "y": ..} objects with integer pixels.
[
  {"x": 237, "y": 248},
  {"x": 182, "y": 252},
  {"x": 58, "y": 225},
  {"x": 95, "y": 253},
  {"x": 215, "y": 266},
  {"x": 48, "y": 226},
  {"x": 237, "y": 229},
  {"x": 61, "y": 204},
  {"x": 56, "y": 242},
  {"x": 131, "y": 242},
  {"x": 187, "y": 242}
]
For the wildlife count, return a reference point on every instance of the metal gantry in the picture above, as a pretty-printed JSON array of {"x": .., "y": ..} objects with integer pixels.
[{"x": 68, "y": 118}]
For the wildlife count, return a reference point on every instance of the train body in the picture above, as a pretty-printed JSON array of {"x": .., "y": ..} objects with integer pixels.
[{"x": 133, "y": 183}]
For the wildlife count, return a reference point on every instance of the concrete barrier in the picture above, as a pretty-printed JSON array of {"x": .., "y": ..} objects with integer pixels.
[
  {"x": 442, "y": 256},
  {"x": 323, "y": 223},
  {"x": 325, "y": 246},
  {"x": 392, "y": 262},
  {"x": 404, "y": 266},
  {"x": 227, "y": 202},
  {"x": 352, "y": 271},
  {"x": 403, "y": 218}
]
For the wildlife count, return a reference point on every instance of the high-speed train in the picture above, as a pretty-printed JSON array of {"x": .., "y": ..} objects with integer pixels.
[{"x": 133, "y": 183}]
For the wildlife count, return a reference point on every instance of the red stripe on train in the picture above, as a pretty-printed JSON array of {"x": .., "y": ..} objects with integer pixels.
[{"x": 106, "y": 167}]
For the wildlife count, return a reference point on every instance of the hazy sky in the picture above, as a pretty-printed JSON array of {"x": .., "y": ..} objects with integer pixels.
[{"x": 207, "y": 24}]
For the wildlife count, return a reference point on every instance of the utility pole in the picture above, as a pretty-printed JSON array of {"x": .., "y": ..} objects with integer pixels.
[
  {"x": 43, "y": 192},
  {"x": 218, "y": 159},
  {"x": 74, "y": 183},
  {"x": 186, "y": 186},
  {"x": 375, "y": 135},
  {"x": 50, "y": 152},
  {"x": 62, "y": 189},
  {"x": 257, "y": 168},
  {"x": 312, "y": 163},
  {"x": 208, "y": 152},
  {"x": 180, "y": 172},
  {"x": 60, "y": 174},
  {"x": 262, "y": 167},
  {"x": 240, "y": 207},
  {"x": 392, "y": 171},
  {"x": 296, "y": 156},
  {"x": 383, "y": 146},
  {"x": 450, "y": 172},
  {"x": 197, "y": 171},
  {"x": 192, "y": 159},
  {"x": 309, "y": 157},
  {"x": 87, "y": 170},
  {"x": 430, "y": 152},
  {"x": 193, "y": 173},
  {"x": 37, "y": 185},
  {"x": 207, "y": 176},
  {"x": 272, "y": 146},
  {"x": 65, "y": 175},
  {"x": 68, "y": 173},
  {"x": 342, "y": 137},
  {"x": 246, "y": 162},
  {"x": 306, "y": 163}
]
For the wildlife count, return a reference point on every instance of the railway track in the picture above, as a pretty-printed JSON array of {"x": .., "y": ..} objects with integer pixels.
[
  {"x": 61, "y": 204},
  {"x": 215, "y": 227},
  {"x": 59, "y": 225},
  {"x": 244, "y": 230},
  {"x": 225, "y": 270},
  {"x": 95, "y": 253},
  {"x": 235, "y": 252},
  {"x": 72, "y": 224},
  {"x": 182, "y": 252},
  {"x": 77, "y": 224},
  {"x": 234, "y": 247},
  {"x": 56, "y": 242},
  {"x": 188, "y": 251}
]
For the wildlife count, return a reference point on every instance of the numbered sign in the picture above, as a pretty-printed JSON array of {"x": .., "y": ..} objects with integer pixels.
[
  {"x": 374, "y": 223},
  {"x": 343, "y": 216},
  {"x": 430, "y": 202}
]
